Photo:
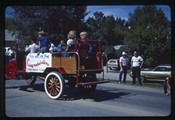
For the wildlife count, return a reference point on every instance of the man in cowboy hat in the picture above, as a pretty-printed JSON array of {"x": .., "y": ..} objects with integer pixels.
[
  {"x": 123, "y": 62},
  {"x": 43, "y": 41}
]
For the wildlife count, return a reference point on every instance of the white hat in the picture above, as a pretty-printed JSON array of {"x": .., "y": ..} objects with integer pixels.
[
  {"x": 124, "y": 53},
  {"x": 41, "y": 33}
]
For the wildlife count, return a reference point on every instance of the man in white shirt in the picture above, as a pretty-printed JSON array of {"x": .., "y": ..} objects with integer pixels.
[
  {"x": 136, "y": 65},
  {"x": 33, "y": 48},
  {"x": 123, "y": 62}
]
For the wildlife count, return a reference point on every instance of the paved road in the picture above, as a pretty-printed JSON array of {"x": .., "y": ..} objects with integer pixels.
[
  {"x": 112, "y": 75},
  {"x": 108, "y": 100}
]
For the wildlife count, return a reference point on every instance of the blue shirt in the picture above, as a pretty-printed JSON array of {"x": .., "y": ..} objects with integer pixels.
[{"x": 43, "y": 41}]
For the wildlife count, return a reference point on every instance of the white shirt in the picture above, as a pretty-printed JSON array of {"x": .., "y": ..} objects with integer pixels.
[
  {"x": 136, "y": 61},
  {"x": 53, "y": 48},
  {"x": 70, "y": 42},
  {"x": 33, "y": 48},
  {"x": 11, "y": 52},
  {"x": 124, "y": 61}
]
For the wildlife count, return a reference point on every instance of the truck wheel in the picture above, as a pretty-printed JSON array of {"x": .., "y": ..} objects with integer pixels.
[{"x": 54, "y": 85}]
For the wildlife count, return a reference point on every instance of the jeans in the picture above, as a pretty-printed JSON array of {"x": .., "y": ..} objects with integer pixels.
[
  {"x": 125, "y": 68},
  {"x": 136, "y": 74},
  {"x": 44, "y": 49},
  {"x": 165, "y": 86}
]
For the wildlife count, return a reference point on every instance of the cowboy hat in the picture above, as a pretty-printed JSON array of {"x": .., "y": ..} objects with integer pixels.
[
  {"x": 41, "y": 33},
  {"x": 124, "y": 53}
]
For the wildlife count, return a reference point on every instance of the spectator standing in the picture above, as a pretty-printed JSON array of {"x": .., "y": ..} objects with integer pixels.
[
  {"x": 123, "y": 62},
  {"x": 43, "y": 41},
  {"x": 11, "y": 53},
  {"x": 167, "y": 85},
  {"x": 33, "y": 48},
  {"x": 136, "y": 65}
]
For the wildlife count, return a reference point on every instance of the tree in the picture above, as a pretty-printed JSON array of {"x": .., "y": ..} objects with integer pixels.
[
  {"x": 52, "y": 19},
  {"x": 147, "y": 32},
  {"x": 105, "y": 28}
]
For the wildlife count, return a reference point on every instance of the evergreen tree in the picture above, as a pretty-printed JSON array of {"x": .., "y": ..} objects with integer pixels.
[{"x": 147, "y": 32}]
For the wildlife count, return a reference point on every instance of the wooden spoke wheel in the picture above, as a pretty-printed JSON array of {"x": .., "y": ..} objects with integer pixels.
[{"x": 54, "y": 85}]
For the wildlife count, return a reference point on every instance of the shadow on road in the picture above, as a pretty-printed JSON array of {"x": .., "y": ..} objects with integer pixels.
[
  {"x": 75, "y": 94},
  {"x": 38, "y": 87},
  {"x": 103, "y": 95}
]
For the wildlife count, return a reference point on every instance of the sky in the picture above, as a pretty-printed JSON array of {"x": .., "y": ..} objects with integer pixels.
[{"x": 121, "y": 11}]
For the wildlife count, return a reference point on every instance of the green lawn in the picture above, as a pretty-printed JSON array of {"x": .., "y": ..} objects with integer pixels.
[{"x": 151, "y": 84}]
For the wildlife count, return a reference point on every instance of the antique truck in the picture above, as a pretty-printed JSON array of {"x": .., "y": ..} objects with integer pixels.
[{"x": 58, "y": 71}]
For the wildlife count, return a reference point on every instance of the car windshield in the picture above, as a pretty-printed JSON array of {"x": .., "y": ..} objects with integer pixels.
[
  {"x": 162, "y": 69},
  {"x": 112, "y": 61}
]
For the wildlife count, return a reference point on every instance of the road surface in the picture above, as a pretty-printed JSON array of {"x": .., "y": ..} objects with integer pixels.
[{"x": 109, "y": 100}]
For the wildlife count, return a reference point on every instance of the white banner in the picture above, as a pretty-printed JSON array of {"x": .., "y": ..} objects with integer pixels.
[{"x": 38, "y": 63}]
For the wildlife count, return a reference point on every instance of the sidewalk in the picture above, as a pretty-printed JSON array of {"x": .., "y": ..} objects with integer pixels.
[{"x": 112, "y": 75}]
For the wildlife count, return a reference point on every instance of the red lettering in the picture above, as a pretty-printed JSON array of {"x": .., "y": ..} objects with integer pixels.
[{"x": 37, "y": 64}]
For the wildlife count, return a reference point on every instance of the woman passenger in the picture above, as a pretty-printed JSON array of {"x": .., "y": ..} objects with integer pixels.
[{"x": 71, "y": 42}]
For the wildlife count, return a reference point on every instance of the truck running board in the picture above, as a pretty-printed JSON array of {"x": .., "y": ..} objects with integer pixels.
[{"x": 90, "y": 83}]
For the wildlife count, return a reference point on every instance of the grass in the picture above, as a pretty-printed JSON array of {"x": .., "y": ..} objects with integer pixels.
[{"x": 150, "y": 84}]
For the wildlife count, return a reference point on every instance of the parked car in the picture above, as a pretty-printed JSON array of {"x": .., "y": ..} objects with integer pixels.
[
  {"x": 113, "y": 64},
  {"x": 158, "y": 73}
]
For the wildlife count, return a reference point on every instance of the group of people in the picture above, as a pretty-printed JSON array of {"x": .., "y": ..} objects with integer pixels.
[
  {"x": 136, "y": 65},
  {"x": 72, "y": 45},
  {"x": 82, "y": 46},
  {"x": 43, "y": 44}
]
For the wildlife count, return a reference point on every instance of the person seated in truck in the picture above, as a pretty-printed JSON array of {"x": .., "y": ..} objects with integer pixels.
[
  {"x": 53, "y": 47},
  {"x": 62, "y": 48},
  {"x": 71, "y": 42},
  {"x": 43, "y": 41}
]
